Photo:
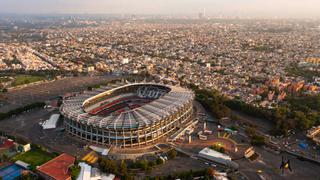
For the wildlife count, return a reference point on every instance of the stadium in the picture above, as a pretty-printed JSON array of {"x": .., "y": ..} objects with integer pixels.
[{"x": 128, "y": 115}]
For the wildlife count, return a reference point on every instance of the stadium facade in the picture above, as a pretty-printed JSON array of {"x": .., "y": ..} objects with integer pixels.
[{"x": 128, "y": 115}]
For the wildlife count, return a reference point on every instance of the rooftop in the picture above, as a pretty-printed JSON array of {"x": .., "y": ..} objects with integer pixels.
[{"x": 58, "y": 167}]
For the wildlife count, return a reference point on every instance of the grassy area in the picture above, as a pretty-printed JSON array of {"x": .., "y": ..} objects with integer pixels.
[
  {"x": 296, "y": 71},
  {"x": 35, "y": 157},
  {"x": 26, "y": 79},
  {"x": 4, "y": 79},
  {"x": 75, "y": 171}
]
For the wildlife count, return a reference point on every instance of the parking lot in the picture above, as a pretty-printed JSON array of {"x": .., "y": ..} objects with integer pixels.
[
  {"x": 41, "y": 92},
  {"x": 269, "y": 164},
  {"x": 26, "y": 126},
  {"x": 180, "y": 164}
]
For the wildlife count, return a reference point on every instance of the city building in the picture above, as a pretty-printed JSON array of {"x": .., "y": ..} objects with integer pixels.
[
  {"x": 218, "y": 157},
  {"x": 314, "y": 134}
]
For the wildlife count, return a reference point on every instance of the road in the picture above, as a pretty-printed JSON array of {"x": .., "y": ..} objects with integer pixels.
[{"x": 269, "y": 163}]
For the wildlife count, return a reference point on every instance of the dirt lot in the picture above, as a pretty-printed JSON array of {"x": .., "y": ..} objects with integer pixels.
[{"x": 180, "y": 164}]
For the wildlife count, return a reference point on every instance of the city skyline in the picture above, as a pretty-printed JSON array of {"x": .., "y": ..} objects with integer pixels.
[{"x": 242, "y": 8}]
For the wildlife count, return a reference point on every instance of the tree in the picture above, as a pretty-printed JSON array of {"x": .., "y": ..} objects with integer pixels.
[
  {"x": 152, "y": 164},
  {"x": 75, "y": 171},
  {"x": 159, "y": 161},
  {"x": 128, "y": 177},
  {"x": 217, "y": 148},
  {"x": 257, "y": 140},
  {"x": 5, "y": 158},
  {"x": 280, "y": 117},
  {"x": 111, "y": 166},
  {"x": 172, "y": 154},
  {"x": 108, "y": 165},
  {"x": 301, "y": 119},
  {"x": 212, "y": 100},
  {"x": 123, "y": 168},
  {"x": 250, "y": 131},
  {"x": 143, "y": 164}
]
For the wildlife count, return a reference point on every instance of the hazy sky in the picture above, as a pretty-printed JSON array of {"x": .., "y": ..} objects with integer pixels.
[{"x": 270, "y": 8}]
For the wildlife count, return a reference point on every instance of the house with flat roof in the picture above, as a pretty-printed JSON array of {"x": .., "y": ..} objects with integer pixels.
[{"x": 57, "y": 168}]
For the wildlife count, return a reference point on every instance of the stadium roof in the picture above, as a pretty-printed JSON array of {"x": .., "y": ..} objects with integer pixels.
[{"x": 142, "y": 116}]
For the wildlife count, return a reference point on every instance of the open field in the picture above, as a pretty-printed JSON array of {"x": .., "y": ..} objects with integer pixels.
[
  {"x": 4, "y": 79},
  {"x": 26, "y": 79},
  {"x": 35, "y": 157}
]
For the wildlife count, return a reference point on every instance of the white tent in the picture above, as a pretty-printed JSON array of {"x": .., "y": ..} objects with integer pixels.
[
  {"x": 102, "y": 151},
  {"x": 52, "y": 122},
  {"x": 22, "y": 164},
  {"x": 218, "y": 157},
  {"x": 85, "y": 173},
  {"x": 89, "y": 173}
]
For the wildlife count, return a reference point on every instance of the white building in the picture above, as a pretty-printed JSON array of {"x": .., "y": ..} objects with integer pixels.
[
  {"x": 26, "y": 147},
  {"x": 218, "y": 157},
  {"x": 125, "y": 61},
  {"x": 22, "y": 164},
  {"x": 89, "y": 173},
  {"x": 52, "y": 122},
  {"x": 85, "y": 172},
  {"x": 102, "y": 151}
]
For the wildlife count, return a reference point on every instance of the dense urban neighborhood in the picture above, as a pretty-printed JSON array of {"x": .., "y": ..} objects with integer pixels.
[{"x": 136, "y": 97}]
